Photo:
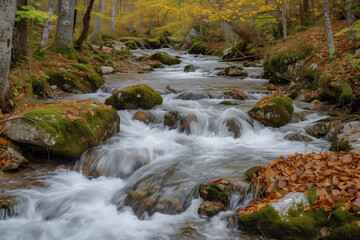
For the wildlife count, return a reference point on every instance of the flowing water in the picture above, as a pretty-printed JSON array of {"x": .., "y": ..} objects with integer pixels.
[{"x": 165, "y": 165}]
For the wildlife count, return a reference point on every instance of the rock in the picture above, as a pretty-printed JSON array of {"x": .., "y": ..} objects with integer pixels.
[
  {"x": 249, "y": 64},
  {"x": 218, "y": 191},
  {"x": 236, "y": 71},
  {"x": 165, "y": 58},
  {"x": 234, "y": 127},
  {"x": 285, "y": 220},
  {"x": 357, "y": 53},
  {"x": 236, "y": 94},
  {"x": 7, "y": 205},
  {"x": 172, "y": 90},
  {"x": 107, "y": 70},
  {"x": 134, "y": 97},
  {"x": 227, "y": 103},
  {"x": 273, "y": 110},
  {"x": 98, "y": 162},
  {"x": 64, "y": 128},
  {"x": 316, "y": 105},
  {"x": 171, "y": 119},
  {"x": 190, "y": 68},
  {"x": 190, "y": 95},
  {"x": 210, "y": 209},
  {"x": 297, "y": 137},
  {"x": 156, "y": 64},
  {"x": 144, "y": 116},
  {"x": 14, "y": 157},
  {"x": 188, "y": 40},
  {"x": 198, "y": 48}
]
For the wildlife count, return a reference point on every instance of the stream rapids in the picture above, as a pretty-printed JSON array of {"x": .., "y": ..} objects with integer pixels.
[{"x": 66, "y": 204}]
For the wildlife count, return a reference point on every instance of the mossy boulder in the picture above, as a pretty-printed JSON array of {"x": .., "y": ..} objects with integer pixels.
[
  {"x": 131, "y": 45},
  {"x": 76, "y": 79},
  {"x": 144, "y": 116},
  {"x": 172, "y": 119},
  {"x": 165, "y": 58},
  {"x": 67, "y": 129},
  {"x": 134, "y": 97},
  {"x": 236, "y": 71},
  {"x": 273, "y": 110},
  {"x": 218, "y": 191},
  {"x": 198, "y": 48},
  {"x": 210, "y": 209}
]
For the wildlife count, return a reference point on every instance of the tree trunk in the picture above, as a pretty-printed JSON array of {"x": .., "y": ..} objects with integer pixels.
[
  {"x": 86, "y": 22},
  {"x": 329, "y": 34},
  {"x": 96, "y": 32},
  {"x": 47, "y": 28},
  {"x": 19, "y": 38},
  {"x": 113, "y": 8},
  {"x": 148, "y": 32},
  {"x": 140, "y": 22},
  {"x": 164, "y": 20},
  {"x": 228, "y": 33},
  {"x": 284, "y": 20},
  {"x": 350, "y": 14},
  {"x": 7, "y": 17},
  {"x": 306, "y": 11},
  {"x": 64, "y": 29}
]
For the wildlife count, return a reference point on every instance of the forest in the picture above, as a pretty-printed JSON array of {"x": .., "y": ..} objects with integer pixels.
[{"x": 179, "y": 119}]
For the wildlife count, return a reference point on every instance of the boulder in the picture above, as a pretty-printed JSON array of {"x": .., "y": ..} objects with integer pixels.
[
  {"x": 134, "y": 97},
  {"x": 107, "y": 70},
  {"x": 64, "y": 128},
  {"x": 316, "y": 105},
  {"x": 165, "y": 58},
  {"x": 234, "y": 127},
  {"x": 236, "y": 94},
  {"x": 190, "y": 68},
  {"x": 188, "y": 40},
  {"x": 210, "y": 209},
  {"x": 144, "y": 116},
  {"x": 171, "y": 119},
  {"x": 236, "y": 71},
  {"x": 11, "y": 157},
  {"x": 191, "y": 95},
  {"x": 273, "y": 110},
  {"x": 217, "y": 191},
  {"x": 198, "y": 48}
]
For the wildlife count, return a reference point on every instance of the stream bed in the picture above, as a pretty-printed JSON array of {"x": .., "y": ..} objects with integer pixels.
[{"x": 66, "y": 204}]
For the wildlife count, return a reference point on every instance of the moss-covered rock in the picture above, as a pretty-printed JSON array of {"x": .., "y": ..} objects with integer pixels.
[
  {"x": 171, "y": 119},
  {"x": 273, "y": 110},
  {"x": 198, "y": 48},
  {"x": 251, "y": 171},
  {"x": 77, "y": 79},
  {"x": 144, "y": 116},
  {"x": 39, "y": 85},
  {"x": 66, "y": 129},
  {"x": 131, "y": 45},
  {"x": 165, "y": 58},
  {"x": 134, "y": 97},
  {"x": 210, "y": 209},
  {"x": 219, "y": 191}
]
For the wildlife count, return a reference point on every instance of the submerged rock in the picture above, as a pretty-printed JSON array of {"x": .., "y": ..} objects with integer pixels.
[
  {"x": 165, "y": 58},
  {"x": 190, "y": 68},
  {"x": 236, "y": 94},
  {"x": 144, "y": 116},
  {"x": 273, "y": 110},
  {"x": 210, "y": 209},
  {"x": 171, "y": 119},
  {"x": 236, "y": 71},
  {"x": 67, "y": 129},
  {"x": 134, "y": 97},
  {"x": 234, "y": 127},
  {"x": 190, "y": 95}
]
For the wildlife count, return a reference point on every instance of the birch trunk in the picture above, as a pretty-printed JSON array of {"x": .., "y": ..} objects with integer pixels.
[
  {"x": 329, "y": 34},
  {"x": 140, "y": 22},
  {"x": 284, "y": 20},
  {"x": 47, "y": 28},
  {"x": 350, "y": 14},
  {"x": 19, "y": 37},
  {"x": 96, "y": 32},
  {"x": 7, "y": 17},
  {"x": 113, "y": 8},
  {"x": 65, "y": 25},
  {"x": 228, "y": 33}
]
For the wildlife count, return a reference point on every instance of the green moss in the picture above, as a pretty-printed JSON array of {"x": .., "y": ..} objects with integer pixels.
[
  {"x": 67, "y": 133},
  {"x": 82, "y": 60},
  {"x": 293, "y": 95},
  {"x": 228, "y": 103},
  {"x": 274, "y": 110},
  {"x": 39, "y": 54},
  {"x": 339, "y": 145},
  {"x": 216, "y": 194},
  {"x": 350, "y": 231},
  {"x": 65, "y": 51},
  {"x": 346, "y": 92},
  {"x": 47, "y": 64},
  {"x": 155, "y": 43},
  {"x": 249, "y": 173},
  {"x": 140, "y": 96},
  {"x": 99, "y": 59},
  {"x": 311, "y": 194},
  {"x": 198, "y": 48},
  {"x": 300, "y": 28},
  {"x": 165, "y": 58},
  {"x": 81, "y": 67},
  {"x": 39, "y": 85},
  {"x": 268, "y": 221},
  {"x": 131, "y": 45}
]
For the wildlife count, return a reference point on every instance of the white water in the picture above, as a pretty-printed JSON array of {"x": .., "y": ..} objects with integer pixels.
[{"x": 71, "y": 206}]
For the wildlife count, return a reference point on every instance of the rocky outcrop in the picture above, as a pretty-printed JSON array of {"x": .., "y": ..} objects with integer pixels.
[
  {"x": 165, "y": 58},
  {"x": 144, "y": 116},
  {"x": 11, "y": 157},
  {"x": 66, "y": 129},
  {"x": 273, "y": 110},
  {"x": 134, "y": 97},
  {"x": 172, "y": 119}
]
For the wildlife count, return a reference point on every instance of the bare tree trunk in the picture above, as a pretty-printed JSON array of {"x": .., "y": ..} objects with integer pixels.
[
  {"x": 350, "y": 14},
  {"x": 7, "y": 17},
  {"x": 163, "y": 23},
  {"x": 228, "y": 32},
  {"x": 284, "y": 20},
  {"x": 47, "y": 28},
  {"x": 329, "y": 34},
  {"x": 19, "y": 38},
  {"x": 64, "y": 29},
  {"x": 86, "y": 22},
  {"x": 140, "y": 22},
  {"x": 132, "y": 28},
  {"x": 113, "y": 8},
  {"x": 96, "y": 32},
  {"x": 148, "y": 32}
]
